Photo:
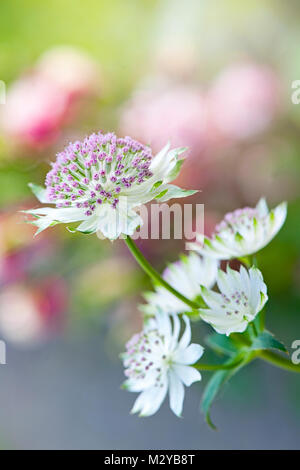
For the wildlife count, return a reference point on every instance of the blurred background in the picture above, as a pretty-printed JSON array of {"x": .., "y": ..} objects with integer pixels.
[{"x": 215, "y": 76}]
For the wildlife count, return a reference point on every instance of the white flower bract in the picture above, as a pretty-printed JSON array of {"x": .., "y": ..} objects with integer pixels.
[
  {"x": 102, "y": 180},
  {"x": 242, "y": 296},
  {"x": 158, "y": 360},
  {"x": 186, "y": 276},
  {"x": 243, "y": 232}
]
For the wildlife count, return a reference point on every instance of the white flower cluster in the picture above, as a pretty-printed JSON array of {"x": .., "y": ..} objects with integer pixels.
[
  {"x": 89, "y": 183},
  {"x": 156, "y": 360}
]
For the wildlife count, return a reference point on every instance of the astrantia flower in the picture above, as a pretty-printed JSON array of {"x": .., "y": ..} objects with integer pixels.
[
  {"x": 101, "y": 180},
  {"x": 243, "y": 232},
  {"x": 242, "y": 296},
  {"x": 156, "y": 361},
  {"x": 186, "y": 276}
]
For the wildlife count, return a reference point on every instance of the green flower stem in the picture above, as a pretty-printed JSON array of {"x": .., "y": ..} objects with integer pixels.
[
  {"x": 228, "y": 365},
  {"x": 246, "y": 260},
  {"x": 278, "y": 361},
  {"x": 154, "y": 275},
  {"x": 261, "y": 320},
  {"x": 253, "y": 330}
]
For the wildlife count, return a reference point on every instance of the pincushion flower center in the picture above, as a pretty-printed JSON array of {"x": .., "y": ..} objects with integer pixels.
[
  {"x": 239, "y": 218},
  {"x": 87, "y": 174},
  {"x": 146, "y": 354}
]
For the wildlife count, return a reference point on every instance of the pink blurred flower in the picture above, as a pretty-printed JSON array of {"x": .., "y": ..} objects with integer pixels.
[
  {"x": 34, "y": 112},
  {"x": 40, "y": 103},
  {"x": 10, "y": 238},
  {"x": 243, "y": 100},
  {"x": 177, "y": 114},
  {"x": 29, "y": 315},
  {"x": 17, "y": 264},
  {"x": 13, "y": 266},
  {"x": 70, "y": 69}
]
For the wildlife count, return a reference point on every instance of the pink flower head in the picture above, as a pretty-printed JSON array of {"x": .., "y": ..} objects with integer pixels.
[
  {"x": 70, "y": 69},
  {"x": 34, "y": 111},
  {"x": 84, "y": 171},
  {"x": 177, "y": 114},
  {"x": 243, "y": 100},
  {"x": 101, "y": 180}
]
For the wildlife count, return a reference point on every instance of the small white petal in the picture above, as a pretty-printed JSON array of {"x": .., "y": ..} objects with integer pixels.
[
  {"x": 61, "y": 215},
  {"x": 40, "y": 193},
  {"x": 113, "y": 222},
  {"x": 189, "y": 355},
  {"x": 262, "y": 207},
  {"x": 176, "y": 392},
  {"x": 187, "y": 374},
  {"x": 159, "y": 158},
  {"x": 186, "y": 337},
  {"x": 212, "y": 298},
  {"x": 149, "y": 401},
  {"x": 89, "y": 225}
]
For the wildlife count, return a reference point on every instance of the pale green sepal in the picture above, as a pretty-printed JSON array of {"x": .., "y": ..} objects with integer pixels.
[
  {"x": 39, "y": 192},
  {"x": 174, "y": 192}
]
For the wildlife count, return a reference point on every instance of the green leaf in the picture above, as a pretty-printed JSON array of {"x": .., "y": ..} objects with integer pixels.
[
  {"x": 221, "y": 344},
  {"x": 267, "y": 340},
  {"x": 217, "y": 381},
  {"x": 211, "y": 391},
  {"x": 39, "y": 192}
]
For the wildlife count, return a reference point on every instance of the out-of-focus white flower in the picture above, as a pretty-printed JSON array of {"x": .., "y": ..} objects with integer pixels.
[
  {"x": 186, "y": 276},
  {"x": 29, "y": 315},
  {"x": 20, "y": 321},
  {"x": 242, "y": 296},
  {"x": 34, "y": 112},
  {"x": 177, "y": 113},
  {"x": 71, "y": 69},
  {"x": 101, "y": 180},
  {"x": 243, "y": 232},
  {"x": 243, "y": 100},
  {"x": 156, "y": 361}
]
